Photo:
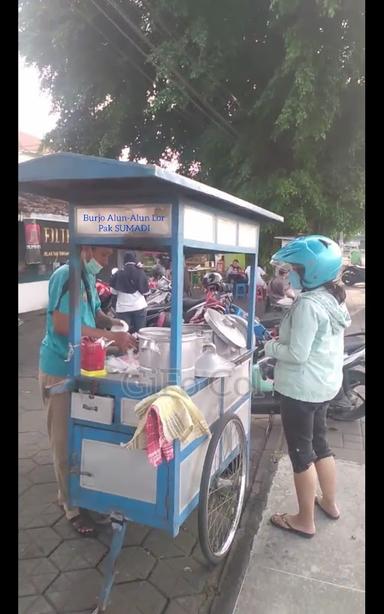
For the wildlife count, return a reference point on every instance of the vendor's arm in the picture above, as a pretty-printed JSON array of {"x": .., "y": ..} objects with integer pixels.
[
  {"x": 303, "y": 330},
  {"x": 123, "y": 340},
  {"x": 104, "y": 321}
]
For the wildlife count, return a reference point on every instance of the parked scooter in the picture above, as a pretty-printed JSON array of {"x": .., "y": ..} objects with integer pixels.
[
  {"x": 353, "y": 275},
  {"x": 348, "y": 405},
  {"x": 105, "y": 295}
]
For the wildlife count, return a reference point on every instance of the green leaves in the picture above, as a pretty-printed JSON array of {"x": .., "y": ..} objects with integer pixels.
[{"x": 267, "y": 96}]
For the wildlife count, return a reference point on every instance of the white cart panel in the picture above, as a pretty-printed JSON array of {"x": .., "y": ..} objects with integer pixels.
[
  {"x": 208, "y": 401},
  {"x": 237, "y": 385},
  {"x": 117, "y": 471},
  {"x": 128, "y": 415},
  {"x": 191, "y": 469}
]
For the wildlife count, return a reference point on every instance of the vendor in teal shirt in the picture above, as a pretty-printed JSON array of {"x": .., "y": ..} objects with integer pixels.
[{"x": 53, "y": 366}]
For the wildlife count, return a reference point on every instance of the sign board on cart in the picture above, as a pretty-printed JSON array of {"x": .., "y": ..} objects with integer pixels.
[{"x": 122, "y": 220}]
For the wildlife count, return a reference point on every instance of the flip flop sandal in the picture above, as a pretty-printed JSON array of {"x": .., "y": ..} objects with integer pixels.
[
  {"x": 83, "y": 525},
  {"x": 325, "y": 511},
  {"x": 288, "y": 527}
]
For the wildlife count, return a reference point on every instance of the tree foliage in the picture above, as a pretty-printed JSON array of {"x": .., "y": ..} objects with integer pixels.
[{"x": 262, "y": 98}]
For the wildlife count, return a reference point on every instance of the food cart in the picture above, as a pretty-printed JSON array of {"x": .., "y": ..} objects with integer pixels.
[{"x": 126, "y": 205}]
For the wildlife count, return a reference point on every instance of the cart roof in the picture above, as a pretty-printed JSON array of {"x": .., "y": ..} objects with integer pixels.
[{"x": 68, "y": 176}]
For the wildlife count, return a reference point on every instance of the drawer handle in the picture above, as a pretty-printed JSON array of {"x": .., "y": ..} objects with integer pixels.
[
  {"x": 76, "y": 471},
  {"x": 90, "y": 407}
]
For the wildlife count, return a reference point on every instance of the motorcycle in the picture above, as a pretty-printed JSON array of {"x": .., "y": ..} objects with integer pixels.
[
  {"x": 349, "y": 403},
  {"x": 105, "y": 295},
  {"x": 353, "y": 275}
]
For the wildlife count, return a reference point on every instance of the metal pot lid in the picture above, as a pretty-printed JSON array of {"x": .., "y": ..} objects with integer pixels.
[
  {"x": 242, "y": 324},
  {"x": 210, "y": 364},
  {"x": 226, "y": 328},
  {"x": 163, "y": 333}
]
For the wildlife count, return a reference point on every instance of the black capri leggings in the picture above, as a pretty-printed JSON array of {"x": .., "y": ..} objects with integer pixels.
[{"x": 305, "y": 430}]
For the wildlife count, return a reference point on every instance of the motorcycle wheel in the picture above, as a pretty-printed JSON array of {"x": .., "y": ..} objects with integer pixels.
[
  {"x": 349, "y": 278},
  {"x": 356, "y": 394}
]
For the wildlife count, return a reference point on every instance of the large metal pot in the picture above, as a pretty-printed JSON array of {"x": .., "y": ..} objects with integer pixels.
[
  {"x": 202, "y": 330},
  {"x": 154, "y": 350}
]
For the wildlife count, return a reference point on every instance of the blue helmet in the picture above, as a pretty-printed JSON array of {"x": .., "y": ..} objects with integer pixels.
[{"x": 319, "y": 256}]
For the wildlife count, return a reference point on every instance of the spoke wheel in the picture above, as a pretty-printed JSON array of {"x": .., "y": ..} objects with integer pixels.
[{"x": 222, "y": 488}]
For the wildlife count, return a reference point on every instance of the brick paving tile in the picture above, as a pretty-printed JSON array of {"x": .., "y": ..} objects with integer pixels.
[
  {"x": 354, "y": 428},
  {"x": 134, "y": 563},
  {"x": 37, "y": 542},
  {"x": 33, "y": 420},
  {"x": 78, "y": 554},
  {"x": 356, "y": 456},
  {"x": 38, "y": 515},
  {"x": 140, "y": 597},
  {"x": 179, "y": 577},
  {"x": 24, "y": 483},
  {"x": 35, "y": 605},
  {"x": 134, "y": 536},
  {"x": 74, "y": 590},
  {"x": 32, "y": 443},
  {"x": 43, "y": 457},
  {"x": 42, "y": 474},
  {"x": 164, "y": 546},
  {"x": 35, "y": 575},
  {"x": 26, "y": 465}
]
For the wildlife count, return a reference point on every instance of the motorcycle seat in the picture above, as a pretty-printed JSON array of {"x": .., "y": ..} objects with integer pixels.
[
  {"x": 191, "y": 302},
  {"x": 359, "y": 267},
  {"x": 354, "y": 344},
  {"x": 270, "y": 320}
]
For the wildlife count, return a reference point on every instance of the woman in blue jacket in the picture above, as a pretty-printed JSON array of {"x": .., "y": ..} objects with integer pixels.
[{"x": 309, "y": 373}]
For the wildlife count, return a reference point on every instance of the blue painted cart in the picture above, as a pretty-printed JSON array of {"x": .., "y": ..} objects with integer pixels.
[{"x": 126, "y": 205}]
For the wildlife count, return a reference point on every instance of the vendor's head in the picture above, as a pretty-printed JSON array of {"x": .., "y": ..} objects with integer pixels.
[
  {"x": 130, "y": 257},
  {"x": 95, "y": 258},
  {"x": 235, "y": 264}
]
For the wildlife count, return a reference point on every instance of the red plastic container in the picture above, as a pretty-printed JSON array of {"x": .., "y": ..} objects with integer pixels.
[{"x": 93, "y": 355}]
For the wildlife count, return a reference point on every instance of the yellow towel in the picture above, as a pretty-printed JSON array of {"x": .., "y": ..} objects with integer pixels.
[{"x": 180, "y": 417}]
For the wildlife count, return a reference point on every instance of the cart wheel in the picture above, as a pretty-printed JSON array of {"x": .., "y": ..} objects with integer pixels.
[{"x": 222, "y": 488}]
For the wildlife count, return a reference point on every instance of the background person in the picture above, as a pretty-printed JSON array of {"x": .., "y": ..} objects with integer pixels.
[
  {"x": 279, "y": 288},
  {"x": 259, "y": 276},
  {"x": 235, "y": 273},
  {"x": 131, "y": 286}
]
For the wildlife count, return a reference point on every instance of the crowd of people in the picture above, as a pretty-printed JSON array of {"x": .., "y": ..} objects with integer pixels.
[
  {"x": 130, "y": 286},
  {"x": 308, "y": 354}
]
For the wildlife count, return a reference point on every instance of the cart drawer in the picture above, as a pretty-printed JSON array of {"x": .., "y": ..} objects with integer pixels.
[{"x": 92, "y": 408}]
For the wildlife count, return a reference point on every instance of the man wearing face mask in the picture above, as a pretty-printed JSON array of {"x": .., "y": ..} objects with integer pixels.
[{"x": 54, "y": 368}]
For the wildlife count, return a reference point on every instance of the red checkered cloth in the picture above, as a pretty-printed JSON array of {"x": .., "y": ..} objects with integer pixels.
[{"x": 158, "y": 448}]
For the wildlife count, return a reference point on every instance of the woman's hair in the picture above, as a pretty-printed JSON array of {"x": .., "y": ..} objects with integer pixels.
[{"x": 337, "y": 290}]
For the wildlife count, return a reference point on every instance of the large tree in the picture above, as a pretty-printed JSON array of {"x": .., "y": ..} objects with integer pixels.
[{"x": 262, "y": 98}]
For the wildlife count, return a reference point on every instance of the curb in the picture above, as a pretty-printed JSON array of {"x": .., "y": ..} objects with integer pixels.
[{"x": 235, "y": 566}]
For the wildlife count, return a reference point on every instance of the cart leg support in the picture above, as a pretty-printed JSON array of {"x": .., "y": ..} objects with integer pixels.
[{"x": 119, "y": 527}]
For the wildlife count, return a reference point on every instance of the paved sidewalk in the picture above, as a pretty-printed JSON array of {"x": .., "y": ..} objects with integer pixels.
[
  {"x": 290, "y": 575},
  {"x": 60, "y": 572}
]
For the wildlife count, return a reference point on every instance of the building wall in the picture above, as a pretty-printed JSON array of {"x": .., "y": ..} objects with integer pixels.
[{"x": 33, "y": 296}]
